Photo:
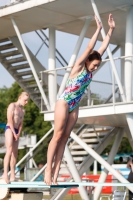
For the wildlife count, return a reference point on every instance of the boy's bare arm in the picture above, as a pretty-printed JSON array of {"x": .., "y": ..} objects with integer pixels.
[
  {"x": 10, "y": 113},
  {"x": 21, "y": 125}
]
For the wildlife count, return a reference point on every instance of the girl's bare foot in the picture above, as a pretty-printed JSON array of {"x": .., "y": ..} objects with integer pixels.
[
  {"x": 47, "y": 178},
  {"x": 55, "y": 179},
  {"x": 12, "y": 178},
  {"x": 6, "y": 178}
]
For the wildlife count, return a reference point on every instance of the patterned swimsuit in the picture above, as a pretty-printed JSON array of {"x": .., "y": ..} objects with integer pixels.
[{"x": 75, "y": 88}]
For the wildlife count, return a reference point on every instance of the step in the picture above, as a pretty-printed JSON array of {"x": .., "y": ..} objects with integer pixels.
[
  {"x": 7, "y": 46},
  {"x": 25, "y": 73},
  {"x": 32, "y": 86},
  {"x": 37, "y": 98},
  {"x": 24, "y": 80},
  {"x": 87, "y": 135},
  {"x": 14, "y": 60},
  {"x": 34, "y": 92},
  {"x": 79, "y": 147},
  {"x": 4, "y": 40},
  {"x": 19, "y": 67},
  {"x": 10, "y": 53},
  {"x": 91, "y": 140},
  {"x": 79, "y": 153},
  {"x": 103, "y": 129},
  {"x": 78, "y": 158}
]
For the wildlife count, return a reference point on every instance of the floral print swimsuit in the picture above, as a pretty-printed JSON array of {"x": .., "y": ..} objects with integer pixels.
[{"x": 75, "y": 88}]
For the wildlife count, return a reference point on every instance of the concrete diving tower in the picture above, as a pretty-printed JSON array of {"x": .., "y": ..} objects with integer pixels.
[{"x": 73, "y": 16}]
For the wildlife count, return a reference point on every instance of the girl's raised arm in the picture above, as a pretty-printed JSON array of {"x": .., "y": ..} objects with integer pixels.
[
  {"x": 80, "y": 61},
  {"x": 105, "y": 43}
]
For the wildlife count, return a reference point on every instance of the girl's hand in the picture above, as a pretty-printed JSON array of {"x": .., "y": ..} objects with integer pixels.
[
  {"x": 111, "y": 21},
  {"x": 99, "y": 24}
]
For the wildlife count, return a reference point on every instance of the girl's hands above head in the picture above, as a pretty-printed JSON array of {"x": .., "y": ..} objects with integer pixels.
[
  {"x": 111, "y": 21},
  {"x": 99, "y": 24}
]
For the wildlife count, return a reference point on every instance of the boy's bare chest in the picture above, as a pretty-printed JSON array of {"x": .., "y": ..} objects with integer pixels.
[{"x": 18, "y": 113}]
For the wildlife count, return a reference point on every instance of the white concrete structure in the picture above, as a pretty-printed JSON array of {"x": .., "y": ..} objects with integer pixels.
[{"x": 73, "y": 17}]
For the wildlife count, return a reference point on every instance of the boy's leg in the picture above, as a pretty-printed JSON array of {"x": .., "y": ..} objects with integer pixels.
[
  {"x": 9, "y": 146},
  {"x": 13, "y": 160}
]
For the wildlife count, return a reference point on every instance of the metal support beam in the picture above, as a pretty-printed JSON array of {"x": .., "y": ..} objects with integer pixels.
[
  {"x": 97, "y": 157},
  {"x": 110, "y": 160},
  {"x": 52, "y": 85},
  {"x": 109, "y": 53},
  {"x": 74, "y": 172},
  {"x": 74, "y": 55},
  {"x": 30, "y": 63}
]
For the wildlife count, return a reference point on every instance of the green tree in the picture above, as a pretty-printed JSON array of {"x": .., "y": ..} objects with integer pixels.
[{"x": 124, "y": 147}]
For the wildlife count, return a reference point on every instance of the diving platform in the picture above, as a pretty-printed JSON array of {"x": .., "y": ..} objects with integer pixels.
[
  {"x": 65, "y": 16},
  {"x": 104, "y": 115}
]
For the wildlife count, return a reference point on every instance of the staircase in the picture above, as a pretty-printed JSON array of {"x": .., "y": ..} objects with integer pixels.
[
  {"x": 93, "y": 137},
  {"x": 14, "y": 61}
]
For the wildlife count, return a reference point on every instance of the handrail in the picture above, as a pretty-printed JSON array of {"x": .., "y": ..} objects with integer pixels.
[{"x": 61, "y": 68}]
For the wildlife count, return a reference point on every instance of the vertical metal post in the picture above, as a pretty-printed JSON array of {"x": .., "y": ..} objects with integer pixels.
[
  {"x": 74, "y": 172},
  {"x": 95, "y": 167},
  {"x": 129, "y": 64},
  {"x": 109, "y": 53},
  {"x": 30, "y": 161},
  {"x": 122, "y": 52},
  {"x": 110, "y": 160},
  {"x": 74, "y": 55},
  {"x": 113, "y": 87},
  {"x": 129, "y": 51},
  {"x": 30, "y": 63},
  {"x": 52, "y": 85},
  {"x": 42, "y": 103},
  {"x": 88, "y": 96},
  {"x": 97, "y": 157}
]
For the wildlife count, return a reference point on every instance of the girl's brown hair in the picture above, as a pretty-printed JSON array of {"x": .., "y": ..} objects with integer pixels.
[{"x": 94, "y": 55}]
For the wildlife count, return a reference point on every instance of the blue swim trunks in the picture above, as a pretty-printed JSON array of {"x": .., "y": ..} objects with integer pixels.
[{"x": 8, "y": 127}]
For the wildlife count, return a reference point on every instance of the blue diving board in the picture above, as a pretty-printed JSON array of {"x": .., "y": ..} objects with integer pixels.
[{"x": 26, "y": 184}]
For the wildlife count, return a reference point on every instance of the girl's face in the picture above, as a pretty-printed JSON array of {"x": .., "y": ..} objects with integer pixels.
[{"x": 92, "y": 65}]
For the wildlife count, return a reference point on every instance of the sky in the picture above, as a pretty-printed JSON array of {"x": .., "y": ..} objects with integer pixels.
[{"x": 65, "y": 43}]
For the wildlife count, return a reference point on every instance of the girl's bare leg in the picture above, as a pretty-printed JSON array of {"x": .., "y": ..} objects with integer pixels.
[
  {"x": 72, "y": 118},
  {"x": 9, "y": 146},
  {"x": 60, "y": 119},
  {"x": 13, "y": 160}
]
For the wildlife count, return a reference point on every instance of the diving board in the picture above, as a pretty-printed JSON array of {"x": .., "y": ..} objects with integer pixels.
[
  {"x": 37, "y": 185},
  {"x": 25, "y": 184}
]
